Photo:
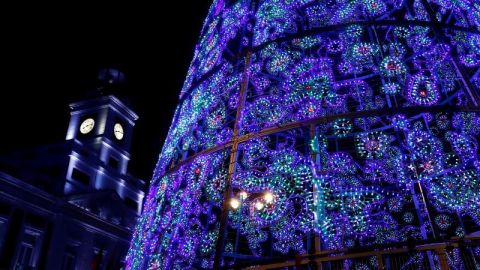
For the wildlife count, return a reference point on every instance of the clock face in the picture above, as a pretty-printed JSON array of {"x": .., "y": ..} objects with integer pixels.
[
  {"x": 87, "y": 126},
  {"x": 118, "y": 131}
]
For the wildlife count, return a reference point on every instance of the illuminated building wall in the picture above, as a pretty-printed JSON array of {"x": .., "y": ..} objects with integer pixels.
[
  {"x": 72, "y": 204},
  {"x": 308, "y": 125}
]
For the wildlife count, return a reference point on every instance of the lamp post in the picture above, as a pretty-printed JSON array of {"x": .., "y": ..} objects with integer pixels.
[
  {"x": 413, "y": 167},
  {"x": 238, "y": 204},
  {"x": 424, "y": 200}
]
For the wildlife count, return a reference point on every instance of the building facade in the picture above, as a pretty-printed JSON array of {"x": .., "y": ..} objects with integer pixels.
[
  {"x": 72, "y": 205},
  {"x": 309, "y": 126}
]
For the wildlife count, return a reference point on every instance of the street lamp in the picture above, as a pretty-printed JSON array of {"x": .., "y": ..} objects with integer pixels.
[
  {"x": 234, "y": 203},
  {"x": 268, "y": 197},
  {"x": 243, "y": 195},
  {"x": 259, "y": 205}
]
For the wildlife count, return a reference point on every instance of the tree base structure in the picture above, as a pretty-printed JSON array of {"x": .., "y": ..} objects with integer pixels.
[{"x": 310, "y": 126}]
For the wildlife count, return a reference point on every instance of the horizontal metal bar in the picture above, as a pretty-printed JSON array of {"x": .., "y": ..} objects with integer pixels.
[
  {"x": 319, "y": 120},
  {"x": 329, "y": 256},
  {"x": 336, "y": 27},
  {"x": 330, "y": 28}
]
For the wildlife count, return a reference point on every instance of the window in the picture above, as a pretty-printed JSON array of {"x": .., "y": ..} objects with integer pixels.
[
  {"x": 3, "y": 230},
  {"x": 84, "y": 153},
  {"x": 68, "y": 262},
  {"x": 131, "y": 203},
  {"x": 113, "y": 162},
  {"x": 80, "y": 176},
  {"x": 4, "y": 209},
  {"x": 24, "y": 256},
  {"x": 27, "y": 249}
]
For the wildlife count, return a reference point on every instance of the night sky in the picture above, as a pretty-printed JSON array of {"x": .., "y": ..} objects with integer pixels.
[{"x": 51, "y": 56}]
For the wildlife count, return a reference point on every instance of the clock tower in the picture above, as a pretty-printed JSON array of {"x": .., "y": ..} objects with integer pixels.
[
  {"x": 73, "y": 204},
  {"x": 100, "y": 133},
  {"x": 103, "y": 126}
]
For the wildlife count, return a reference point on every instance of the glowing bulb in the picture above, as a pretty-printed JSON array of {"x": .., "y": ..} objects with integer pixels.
[
  {"x": 243, "y": 195},
  {"x": 259, "y": 205},
  {"x": 234, "y": 203},
  {"x": 268, "y": 197}
]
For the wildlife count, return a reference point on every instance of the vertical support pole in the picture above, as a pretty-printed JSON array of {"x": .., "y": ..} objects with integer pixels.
[
  {"x": 472, "y": 94},
  {"x": 316, "y": 159},
  {"x": 381, "y": 266},
  {"x": 467, "y": 248},
  {"x": 237, "y": 236},
  {"x": 442, "y": 258},
  {"x": 426, "y": 209},
  {"x": 418, "y": 208},
  {"x": 231, "y": 167}
]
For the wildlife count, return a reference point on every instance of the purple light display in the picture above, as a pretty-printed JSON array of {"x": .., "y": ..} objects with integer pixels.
[{"x": 318, "y": 124}]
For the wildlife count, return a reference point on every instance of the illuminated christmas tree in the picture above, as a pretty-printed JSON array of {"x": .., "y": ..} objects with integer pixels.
[{"x": 307, "y": 125}]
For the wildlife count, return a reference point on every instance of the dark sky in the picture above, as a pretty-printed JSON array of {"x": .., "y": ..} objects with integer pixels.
[{"x": 51, "y": 55}]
